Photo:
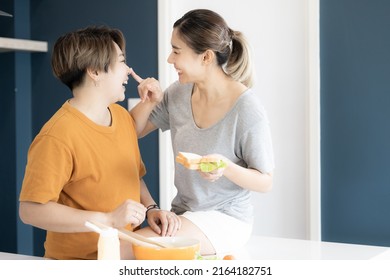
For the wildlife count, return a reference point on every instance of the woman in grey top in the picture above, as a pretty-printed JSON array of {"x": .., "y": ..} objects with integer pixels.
[{"x": 210, "y": 110}]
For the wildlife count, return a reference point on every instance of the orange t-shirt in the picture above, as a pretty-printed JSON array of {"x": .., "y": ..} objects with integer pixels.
[{"x": 77, "y": 163}]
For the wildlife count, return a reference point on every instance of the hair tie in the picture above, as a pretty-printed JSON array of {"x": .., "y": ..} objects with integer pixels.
[{"x": 151, "y": 207}]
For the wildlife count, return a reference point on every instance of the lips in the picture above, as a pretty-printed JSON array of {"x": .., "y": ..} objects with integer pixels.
[
  {"x": 124, "y": 84},
  {"x": 179, "y": 73}
]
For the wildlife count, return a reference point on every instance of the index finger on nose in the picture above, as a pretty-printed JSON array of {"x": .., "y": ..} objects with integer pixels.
[{"x": 136, "y": 77}]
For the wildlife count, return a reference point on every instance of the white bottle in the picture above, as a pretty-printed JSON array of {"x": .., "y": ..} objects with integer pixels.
[{"x": 108, "y": 245}]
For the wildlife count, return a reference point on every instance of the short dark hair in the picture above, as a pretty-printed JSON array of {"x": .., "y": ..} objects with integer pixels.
[{"x": 88, "y": 48}]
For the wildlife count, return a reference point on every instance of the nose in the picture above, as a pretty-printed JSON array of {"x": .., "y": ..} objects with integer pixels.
[{"x": 169, "y": 59}]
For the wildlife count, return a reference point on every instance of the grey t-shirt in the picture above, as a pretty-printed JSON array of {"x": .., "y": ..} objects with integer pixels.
[{"x": 243, "y": 136}]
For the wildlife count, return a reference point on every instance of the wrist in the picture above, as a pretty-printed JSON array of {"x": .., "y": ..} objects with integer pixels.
[{"x": 151, "y": 207}]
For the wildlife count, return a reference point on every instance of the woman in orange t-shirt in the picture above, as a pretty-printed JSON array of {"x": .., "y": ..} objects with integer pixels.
[{"x": 85, "y": 162}]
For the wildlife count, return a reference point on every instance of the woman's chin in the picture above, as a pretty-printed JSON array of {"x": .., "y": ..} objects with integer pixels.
[{"x": 182, "y": 80}]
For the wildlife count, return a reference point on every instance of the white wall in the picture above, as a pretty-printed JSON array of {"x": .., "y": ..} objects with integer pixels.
[{"x": 279, "y": 34}]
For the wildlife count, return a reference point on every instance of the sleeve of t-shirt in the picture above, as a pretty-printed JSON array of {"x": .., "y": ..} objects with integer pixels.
[
  {"x": 160, "y": 115},
  {"x": 256, "y": 142},
  {"x": 49, "y": 167}
]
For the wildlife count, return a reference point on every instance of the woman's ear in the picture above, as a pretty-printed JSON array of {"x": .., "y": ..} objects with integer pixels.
[
  {"x": 93, "y": 74},
  {"x": 208, "y": 57}
]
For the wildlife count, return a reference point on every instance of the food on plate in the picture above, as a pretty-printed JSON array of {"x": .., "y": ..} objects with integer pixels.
[
  {"x": 229, "y": 257},
  {"x": 197, "y": 162}
]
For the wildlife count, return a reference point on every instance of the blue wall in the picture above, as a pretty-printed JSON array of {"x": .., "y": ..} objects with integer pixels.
[
  {"x": 355, "y": 110},
  {"x": 48, "y": 20},
  {"x": 7, "y": 139}
]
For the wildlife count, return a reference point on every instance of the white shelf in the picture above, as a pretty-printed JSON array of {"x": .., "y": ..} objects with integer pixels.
[{"x": 10, "y": 44}]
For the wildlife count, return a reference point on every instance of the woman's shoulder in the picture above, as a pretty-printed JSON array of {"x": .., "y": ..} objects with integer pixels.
[
  {"x": 177, "y": 94},
  {"x": 250, "y": 102},
  {"x": 120, "y": 113},
  {"x": 59, "y": 122},
  {"x": 179, "y": 88},
  {"x": 118, "y": 108}
]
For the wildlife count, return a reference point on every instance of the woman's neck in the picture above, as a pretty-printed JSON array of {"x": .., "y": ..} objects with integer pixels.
[{"x": 94, "y": 109}]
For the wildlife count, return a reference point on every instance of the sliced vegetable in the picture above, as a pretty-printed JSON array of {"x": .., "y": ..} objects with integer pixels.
[
  {"x": 207, "y": 258},
  {"x": 211, "y": 166}
]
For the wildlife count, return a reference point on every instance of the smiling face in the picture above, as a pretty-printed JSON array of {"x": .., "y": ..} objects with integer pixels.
[
  {"x": 114, "y": 81},
  {"x": 187, "y": 63}
]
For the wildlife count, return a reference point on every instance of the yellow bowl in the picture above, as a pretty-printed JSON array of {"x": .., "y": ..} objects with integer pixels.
[{"x": 184, "y": 249}]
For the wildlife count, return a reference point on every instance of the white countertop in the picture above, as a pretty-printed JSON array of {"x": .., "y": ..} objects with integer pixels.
[
  {"x": 274, "y": 248},
  {"x": 10, "y": 256}
]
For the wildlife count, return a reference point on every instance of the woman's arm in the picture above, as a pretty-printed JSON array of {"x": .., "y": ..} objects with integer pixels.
[
  {"x": 151, "y": 94},
  {"x": 162, "y": 222},
  {"x": 246, "y": 178},
  {"x": 53, "y": 216},
  {"x": 146, "y": 197},
  {"x": 140, "y": 113}
]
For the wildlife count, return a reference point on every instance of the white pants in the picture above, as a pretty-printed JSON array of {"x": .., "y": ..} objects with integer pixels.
[{"x": 226, "y": 233}]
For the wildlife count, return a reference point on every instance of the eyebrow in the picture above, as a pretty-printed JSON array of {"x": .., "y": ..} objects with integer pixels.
[
  {"x": 121, "y": 55},
  {"x": 175, "y": 47}
]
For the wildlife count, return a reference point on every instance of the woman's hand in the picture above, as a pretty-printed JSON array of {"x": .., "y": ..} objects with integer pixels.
[
  {"x": 164, "y": 223},
  {"x": 129, "y": 212},
  {"x": 215, "y": 174},
  {"x": 149, "y": 89}
]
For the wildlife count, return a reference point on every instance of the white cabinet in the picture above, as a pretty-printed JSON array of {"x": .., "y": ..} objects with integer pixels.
[{"x": 10, "y": 44}]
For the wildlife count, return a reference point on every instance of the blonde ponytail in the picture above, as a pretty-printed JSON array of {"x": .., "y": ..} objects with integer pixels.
[{"x": 239, "y": 65}]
